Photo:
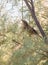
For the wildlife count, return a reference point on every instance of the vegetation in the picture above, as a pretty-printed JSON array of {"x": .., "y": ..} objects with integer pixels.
[{"x": 16, "y": 46}]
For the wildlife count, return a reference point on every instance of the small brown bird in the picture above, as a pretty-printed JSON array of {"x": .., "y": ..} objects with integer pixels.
[{"x": 29, "y": 29}]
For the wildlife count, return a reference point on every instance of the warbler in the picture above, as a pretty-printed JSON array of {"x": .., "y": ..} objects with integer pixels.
[{"x": 29, "y": 29}]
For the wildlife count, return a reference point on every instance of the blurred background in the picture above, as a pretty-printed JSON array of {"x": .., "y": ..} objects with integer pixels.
[{"x": 16, "y": 47}]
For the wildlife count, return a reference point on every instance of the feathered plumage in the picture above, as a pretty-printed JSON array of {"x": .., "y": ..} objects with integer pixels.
[{"x": 30, "y": 29}]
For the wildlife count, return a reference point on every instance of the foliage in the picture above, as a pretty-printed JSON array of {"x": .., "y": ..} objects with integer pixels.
[{"x": 18, "y": 48}]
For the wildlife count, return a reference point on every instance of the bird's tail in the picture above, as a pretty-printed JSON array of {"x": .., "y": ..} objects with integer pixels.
[{"x": 40, "y": 35}]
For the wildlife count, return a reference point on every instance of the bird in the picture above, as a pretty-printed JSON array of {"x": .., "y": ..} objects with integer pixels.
[{"x": 29, "y": 29}]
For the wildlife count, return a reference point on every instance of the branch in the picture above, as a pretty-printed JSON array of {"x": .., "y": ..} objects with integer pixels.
[
  {"x": 27, "y": 4},
  {"x": 32, "y": 10}
]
